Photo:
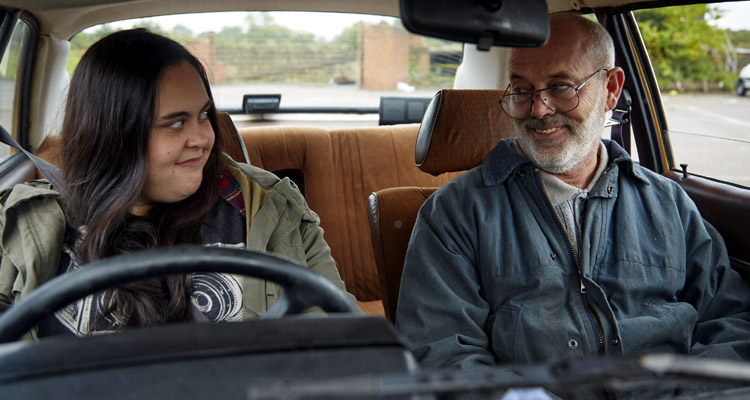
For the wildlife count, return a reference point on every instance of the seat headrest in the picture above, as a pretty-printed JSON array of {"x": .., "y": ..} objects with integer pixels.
[
  {"x": 231, "y": 139},
  {"x": 459, "y": 129}
]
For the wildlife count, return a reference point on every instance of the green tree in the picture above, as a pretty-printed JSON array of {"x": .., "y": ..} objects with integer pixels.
[
  {"x": 685, "y": 47},
  {"x": 82, "y": 41},
  {"x": 350, "y": 36},
  {"x": 740, "y": 38},
  {"x": 151, "y": 26},
  {"x": 181, "y": 33},
  {"x": 231, "y": 35},
  {"x": 263, "y": 50}
]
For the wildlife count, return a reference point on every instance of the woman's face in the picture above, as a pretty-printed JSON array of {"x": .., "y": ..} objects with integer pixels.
[{"x": 181, "y": 139}]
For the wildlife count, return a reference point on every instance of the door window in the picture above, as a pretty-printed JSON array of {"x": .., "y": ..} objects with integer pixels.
[
  {"x": 699, "y": 53},
  {"x": 10, "y": 78}
]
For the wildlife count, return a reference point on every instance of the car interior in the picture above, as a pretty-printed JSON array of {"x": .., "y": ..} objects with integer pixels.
[
  {"x": 459, "y": 129},
  {"x": 365, "y": 177}
]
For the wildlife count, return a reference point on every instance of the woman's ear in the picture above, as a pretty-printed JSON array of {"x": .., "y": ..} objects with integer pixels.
[{"x": 615, "y": 81}]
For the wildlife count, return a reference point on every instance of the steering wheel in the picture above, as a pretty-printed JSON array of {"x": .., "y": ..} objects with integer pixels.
[{"x": 303, "y": 288}]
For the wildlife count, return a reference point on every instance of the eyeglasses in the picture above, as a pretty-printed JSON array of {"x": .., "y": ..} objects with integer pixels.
[{"x": 559, "y": 98}]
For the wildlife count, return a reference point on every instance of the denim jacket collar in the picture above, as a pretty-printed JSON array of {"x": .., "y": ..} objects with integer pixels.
[{"x": 503, "y": 162}]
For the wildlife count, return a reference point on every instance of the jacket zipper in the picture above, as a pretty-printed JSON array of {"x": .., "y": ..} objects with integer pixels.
[
  {"x": 572, "y": 248},
  {"x": 589, "y": 311}
]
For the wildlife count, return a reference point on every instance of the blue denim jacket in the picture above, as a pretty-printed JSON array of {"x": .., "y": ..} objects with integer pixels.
[{"x": 490, "y": 277}]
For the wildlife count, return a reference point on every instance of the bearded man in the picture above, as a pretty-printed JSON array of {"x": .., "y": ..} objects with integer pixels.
[{"x": 559, "y": 246}]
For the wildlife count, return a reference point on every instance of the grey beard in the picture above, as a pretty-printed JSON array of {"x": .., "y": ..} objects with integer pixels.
[{"x": 553, "y": 157}]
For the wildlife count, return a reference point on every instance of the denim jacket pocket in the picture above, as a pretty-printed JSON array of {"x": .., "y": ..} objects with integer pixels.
[
  {"x": 504, "y": 325},
  {"x": 670, "y": 327}
]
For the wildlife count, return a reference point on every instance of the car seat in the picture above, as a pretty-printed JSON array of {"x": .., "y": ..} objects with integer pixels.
[{"x": 458, "y": 130}]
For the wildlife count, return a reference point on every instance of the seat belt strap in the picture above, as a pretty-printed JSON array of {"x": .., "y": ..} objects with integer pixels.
[
  {"x": 621, "y": 131},
  {"x": 51, "y": 172}
]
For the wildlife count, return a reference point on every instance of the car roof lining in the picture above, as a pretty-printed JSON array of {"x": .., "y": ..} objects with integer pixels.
[{"x": 65, "y": 18}]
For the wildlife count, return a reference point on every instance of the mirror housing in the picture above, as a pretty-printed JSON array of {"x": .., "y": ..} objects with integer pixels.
[
  {"x": 260, "y": 103},
  {"x": 509, "y": 23}
]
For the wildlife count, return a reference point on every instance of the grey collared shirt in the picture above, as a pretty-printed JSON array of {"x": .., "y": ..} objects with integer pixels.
[{"x": 568, "y": 200}]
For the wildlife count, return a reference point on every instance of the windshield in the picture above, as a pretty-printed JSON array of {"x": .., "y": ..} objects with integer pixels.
[{"x": 319, "y": 60}]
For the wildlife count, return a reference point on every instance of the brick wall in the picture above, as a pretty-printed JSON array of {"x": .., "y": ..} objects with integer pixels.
[
  {"x": 385, "y": 57},
  {"x": 205, "y": 51}
]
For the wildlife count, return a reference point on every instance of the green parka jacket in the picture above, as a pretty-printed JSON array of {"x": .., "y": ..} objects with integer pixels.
[{"x": 32, "y": 226}]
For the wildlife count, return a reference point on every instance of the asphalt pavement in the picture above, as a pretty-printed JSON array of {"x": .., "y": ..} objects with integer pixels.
[{"x": 711, "y": 133}]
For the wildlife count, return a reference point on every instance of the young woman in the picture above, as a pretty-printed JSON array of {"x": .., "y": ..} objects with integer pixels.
[{"x": 143, "y": 168}]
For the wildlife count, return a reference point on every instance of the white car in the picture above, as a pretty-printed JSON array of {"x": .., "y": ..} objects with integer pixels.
[{"x": 743, "y": 83}]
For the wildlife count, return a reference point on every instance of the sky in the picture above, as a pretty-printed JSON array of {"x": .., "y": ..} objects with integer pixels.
[{"x": 736, "y": 15}]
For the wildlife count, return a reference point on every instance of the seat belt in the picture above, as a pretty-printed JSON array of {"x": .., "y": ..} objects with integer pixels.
[
  {"x": 621, "y": 131},
  {"x": 51, "y": 172}
]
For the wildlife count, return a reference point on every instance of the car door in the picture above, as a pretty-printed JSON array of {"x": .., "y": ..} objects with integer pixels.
[
  {"x": 18, "y": 38},
  {"x": 687, "y": 121}
]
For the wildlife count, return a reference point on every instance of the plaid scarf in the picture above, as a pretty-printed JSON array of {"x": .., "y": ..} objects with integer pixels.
[{"x": 230, "y": 190}]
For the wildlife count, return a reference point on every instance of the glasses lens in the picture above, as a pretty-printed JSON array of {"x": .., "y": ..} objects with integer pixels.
[
  {"x": 561, "y": 98},
  {"x": 562, "y": 91},
  {"x": 516, "y": 106}
]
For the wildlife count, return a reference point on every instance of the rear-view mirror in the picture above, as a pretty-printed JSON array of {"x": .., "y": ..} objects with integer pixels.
[{"x": 509, "y": 23}]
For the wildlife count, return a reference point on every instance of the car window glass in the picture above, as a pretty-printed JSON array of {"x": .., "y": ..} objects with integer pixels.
[
  {"x": 699, "y": 53},
  {"x": 10, "y": 76},
  {"x": 311, "y": 59}
]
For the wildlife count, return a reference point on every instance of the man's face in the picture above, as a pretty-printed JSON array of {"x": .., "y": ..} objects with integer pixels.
[{"x": 560, "y": 142}]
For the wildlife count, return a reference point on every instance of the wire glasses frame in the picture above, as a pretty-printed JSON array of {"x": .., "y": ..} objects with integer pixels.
[{"x": 559, "y": 98}]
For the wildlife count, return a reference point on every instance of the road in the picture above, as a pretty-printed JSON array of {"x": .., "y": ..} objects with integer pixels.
[{"x": 711, "y": 133}]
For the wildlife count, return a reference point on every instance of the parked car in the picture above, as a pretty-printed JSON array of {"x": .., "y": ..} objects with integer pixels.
[
  {"x": 743, "y": 83},
  {"x": 339, "y": 114}
]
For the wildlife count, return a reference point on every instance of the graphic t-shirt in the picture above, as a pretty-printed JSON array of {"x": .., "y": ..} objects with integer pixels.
[{"x": 216, "y": 296}]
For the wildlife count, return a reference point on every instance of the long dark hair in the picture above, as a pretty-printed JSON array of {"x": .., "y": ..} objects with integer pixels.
[{"x": 109, "y": 113}]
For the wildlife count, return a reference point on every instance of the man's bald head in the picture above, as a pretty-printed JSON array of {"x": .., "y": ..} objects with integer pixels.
[{"x": 583, "y": 37}]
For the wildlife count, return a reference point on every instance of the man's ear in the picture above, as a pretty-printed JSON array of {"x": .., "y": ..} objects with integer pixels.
[{"x": 615, "y": 81}]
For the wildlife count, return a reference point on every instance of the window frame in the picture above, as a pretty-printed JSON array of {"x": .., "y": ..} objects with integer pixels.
[
  {"x": 725, "y": 205},
  {"x": 649, "y": 119},
  {"x": 21, "y": 112}
]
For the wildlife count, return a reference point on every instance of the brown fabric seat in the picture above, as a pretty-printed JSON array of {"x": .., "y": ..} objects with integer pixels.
[
  {"x": 231, "y": 139},
  {"x": 392, "y": 213},
  {"x": 339, "y": 168},
  {"x": 459, "y": 129},
  {"x": 49, "y": 151}
]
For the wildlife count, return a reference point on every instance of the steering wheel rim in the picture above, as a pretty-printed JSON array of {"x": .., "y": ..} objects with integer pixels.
[{"x": 303, "y": 288}]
